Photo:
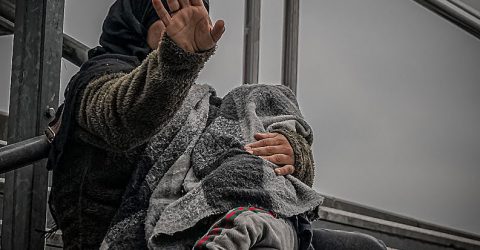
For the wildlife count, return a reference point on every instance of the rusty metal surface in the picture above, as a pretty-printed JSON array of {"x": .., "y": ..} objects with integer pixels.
[{"x": 35, "y": 85}]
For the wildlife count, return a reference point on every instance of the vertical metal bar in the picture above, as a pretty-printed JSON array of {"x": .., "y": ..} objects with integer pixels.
[
  {"x": 251, "y": 43},
  {"x": 36, "y": 69},
  {"x": 290, "y": 44},
  {"x": 3, "y": 125}
]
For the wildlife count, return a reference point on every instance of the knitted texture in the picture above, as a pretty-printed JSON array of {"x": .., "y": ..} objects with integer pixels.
[
  {"x": 123, "y": 111},
  {"x": 195, "y": 172}
]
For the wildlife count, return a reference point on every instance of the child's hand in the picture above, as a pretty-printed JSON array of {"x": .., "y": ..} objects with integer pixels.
[{"x": 274, "y": 147}]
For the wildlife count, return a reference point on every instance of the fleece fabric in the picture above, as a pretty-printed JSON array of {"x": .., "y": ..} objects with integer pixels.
[{"x": 199, "y": 172}]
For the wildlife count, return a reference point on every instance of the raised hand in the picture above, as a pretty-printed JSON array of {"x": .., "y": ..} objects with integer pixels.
[
  {"x": 274, "y": 147},
  {"x": 189, "y": 26}
]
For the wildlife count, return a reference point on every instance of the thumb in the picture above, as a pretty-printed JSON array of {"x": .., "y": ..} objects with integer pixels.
[{"x": 218, "y": 30}]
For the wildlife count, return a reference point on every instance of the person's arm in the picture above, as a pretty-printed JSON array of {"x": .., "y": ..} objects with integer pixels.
[{"x": 121, "y": 111}]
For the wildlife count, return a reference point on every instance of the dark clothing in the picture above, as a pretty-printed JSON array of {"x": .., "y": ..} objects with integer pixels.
[
  {"x": 113, "y": 105},
  {"x": 113, "y": 116},
  {"x": 326, "y": 239}
]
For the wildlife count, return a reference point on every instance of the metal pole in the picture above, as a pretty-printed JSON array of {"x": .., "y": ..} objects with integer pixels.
[
  {"x": 3, "y": 125},
  {"x": 20, "y": 154},
  {"x": 35, "y": 83},
  {"x": 6, "y": 27},
  {"x": 251, "y": 43},
  {"x": 457, "y": 12},
  {"x": 73, "y": 50},
  {"x": 290, "y": 44}
]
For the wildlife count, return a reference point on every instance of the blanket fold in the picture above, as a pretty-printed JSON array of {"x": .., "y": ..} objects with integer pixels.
[{"x": 193, "y": 172}]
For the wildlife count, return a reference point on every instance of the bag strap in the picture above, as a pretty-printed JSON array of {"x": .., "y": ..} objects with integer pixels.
[{"x": 54, "y": 125}]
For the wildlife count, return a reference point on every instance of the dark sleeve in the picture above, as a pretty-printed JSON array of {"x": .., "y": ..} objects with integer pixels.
[
  {"x": 121, "y": 111},
  {"x": 304, "y": 164}
]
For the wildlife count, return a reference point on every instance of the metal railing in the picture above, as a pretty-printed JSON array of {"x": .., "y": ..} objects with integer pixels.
[
  {"x": 336, "y": 213},
  {"x": 291, "y": 22},
  {"x": 456, "y": 12},
  {"x": 73, "y": 50}
]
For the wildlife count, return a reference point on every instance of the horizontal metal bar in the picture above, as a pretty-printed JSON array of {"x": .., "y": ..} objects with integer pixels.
[
  {"x": 53, "y": 242},
  {"x": 18, "y": 155},
  {"x": 6, "y": 27},
  {"x": 73, "y": 50},
  {"x": 398, "y": 229},
  {"x": 4, "y": 32},
  {"x": 353, "y": 207},
  {"x": 456, "y": 12}
]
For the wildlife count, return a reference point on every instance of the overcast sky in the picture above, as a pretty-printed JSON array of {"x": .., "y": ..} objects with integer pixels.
[{"x": 391, "y": 90}]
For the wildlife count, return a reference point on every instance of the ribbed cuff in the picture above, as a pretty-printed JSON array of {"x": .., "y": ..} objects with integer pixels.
[{"x": 171, "y": 54}]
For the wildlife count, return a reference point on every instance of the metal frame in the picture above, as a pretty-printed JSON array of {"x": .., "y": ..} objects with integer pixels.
[
  {"x": 3, "y": 125},
  {"x": 73, "y": 50},
  {"x": 6, "y": 27},
  {"x": 393, "y": 234},
  {"x": 291, "y": 23},
  {"x": 35, "y": 78},
  {"x": 290, "y": 42},
  {"x": 251, "y": 51},
  {"x": 36, "y": 66},
  {"x": 456, "y": 12},
  {"x": 24, "y": 153}
]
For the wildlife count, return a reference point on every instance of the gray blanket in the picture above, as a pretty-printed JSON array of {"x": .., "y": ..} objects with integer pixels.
[{"x": 192, "y": 172}]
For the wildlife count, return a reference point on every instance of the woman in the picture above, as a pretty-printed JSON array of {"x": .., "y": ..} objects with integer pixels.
[{"x": 132, "y": 85}]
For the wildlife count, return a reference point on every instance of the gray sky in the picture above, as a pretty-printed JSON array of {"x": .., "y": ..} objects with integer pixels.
[{"x": 391, "y": 90}]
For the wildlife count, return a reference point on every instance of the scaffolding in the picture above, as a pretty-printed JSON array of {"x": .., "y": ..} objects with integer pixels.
[{"x": 39, "y": 45}]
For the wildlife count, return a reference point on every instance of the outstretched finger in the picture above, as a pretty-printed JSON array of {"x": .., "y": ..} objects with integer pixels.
[
  {"x": 174, "y": 5},
  {"x": 267, "y": 151},
  {"x": 197, "y": 2},
  {"x": 279, "y": 159},
  {"x": 259, "y": 136},
  {"x": 162, "y": 12},
  {"x": 263, "y": 143},
  {"x": 285, "y": 170},
  {"x": 184, "y": 3},
  {"x": 218, "y": 30}
]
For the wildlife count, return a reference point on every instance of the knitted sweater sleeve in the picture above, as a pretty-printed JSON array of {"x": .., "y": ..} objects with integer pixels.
[
  {"x": 304, "y": 164},
  {"x": 121, "y": 111}
]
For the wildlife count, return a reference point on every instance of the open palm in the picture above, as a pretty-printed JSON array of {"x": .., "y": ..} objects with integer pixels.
[{"x": 189, "y": 26}]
